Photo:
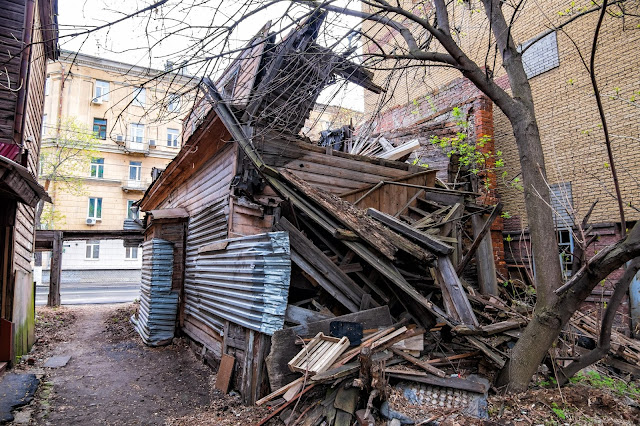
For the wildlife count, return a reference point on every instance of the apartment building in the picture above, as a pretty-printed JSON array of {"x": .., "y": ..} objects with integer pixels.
[{"x": 136, "y": 115}]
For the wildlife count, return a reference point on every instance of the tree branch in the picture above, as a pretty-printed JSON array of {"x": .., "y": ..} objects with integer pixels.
[{"x": 604, "y": 341}]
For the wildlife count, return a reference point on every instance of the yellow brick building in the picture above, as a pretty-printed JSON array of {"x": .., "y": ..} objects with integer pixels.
[
  {"x": 136, "y": 115},
  {"x": 565, "y": 105}
]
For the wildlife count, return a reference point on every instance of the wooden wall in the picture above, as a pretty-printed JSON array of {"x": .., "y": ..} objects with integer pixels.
[
  {"x": 332, "y": 171},
  {"x": 25, "y": 216},
  {"x": 390, "y": 198},
  {"x": 12, "y": 23},
  {"x": 207, "y": 185}
]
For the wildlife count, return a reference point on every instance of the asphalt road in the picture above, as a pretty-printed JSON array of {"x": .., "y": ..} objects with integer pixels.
[{"x": 80, "y": 294}]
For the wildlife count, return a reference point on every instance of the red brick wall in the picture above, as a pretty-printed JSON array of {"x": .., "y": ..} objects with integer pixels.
[{"x": 431, "y": 116}]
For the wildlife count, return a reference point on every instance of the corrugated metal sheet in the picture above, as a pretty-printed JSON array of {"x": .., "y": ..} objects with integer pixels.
[
  {"x": 132, "y": 225},
  {"x": 246, "y": 283},
  {"x": 9, "y": 150},
  {"x": 158, "y": 303},
  {"x": 205, "y": 227},
  {"x": 244, "y": 280}
]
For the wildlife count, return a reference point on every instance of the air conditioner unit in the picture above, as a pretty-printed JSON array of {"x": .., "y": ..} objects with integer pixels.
[
  {"x": 152, "y": 143},
  {"x": 91, "y": 221},
  {"x": 120, "y": 139},
  {"x": 96, "y": 101}
]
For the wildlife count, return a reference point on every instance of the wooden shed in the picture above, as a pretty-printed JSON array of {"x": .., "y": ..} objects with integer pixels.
[{"x": 246, "y": 267}]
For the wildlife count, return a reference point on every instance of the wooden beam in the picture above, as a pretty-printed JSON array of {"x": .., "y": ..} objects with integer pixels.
[
  {"x": 422, "y": 364},
  {"x": 448, "y": 382},
  {"x": 55, "y": 271},
  {"x": 315, "y": 257},
  {"x": 426, "y": 240},
  {"x": 298, "y": 315},
  {"x": 452, "y": 289},
  {"x": 478, "y": 239}
]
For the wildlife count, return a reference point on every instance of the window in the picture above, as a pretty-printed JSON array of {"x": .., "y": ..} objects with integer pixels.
[
  {"x": 44, "y": 125},
  {"x": 562, "y": 204},
  {"x": 135, "y": 167},
  {"x": 131, "y": 253},
  {"x": 93, "y": 249},
  {"x": 137, "y": 133},
  {"x": 95, "y": 208},
  {"x": 541, "y": 56},
  {"x": 101, "y": 92},
  {"x": 173, "y": 103},
  {"x": 100, "y": 128},
  {"x": 139, "y": 96},
  {"x": 565, "y": 248},
  {"x": 172, "y": 138},
  {"x": 47, "y": 86},
  {"x": 97, "y": 167},
  {"x": 131, "y": 212}
]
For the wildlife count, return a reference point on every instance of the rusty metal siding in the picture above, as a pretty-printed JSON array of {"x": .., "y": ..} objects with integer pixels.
[{"x": 158, "y": 303}]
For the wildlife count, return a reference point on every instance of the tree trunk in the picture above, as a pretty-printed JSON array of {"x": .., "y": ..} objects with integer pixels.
[{"x": 539, "y": 335}]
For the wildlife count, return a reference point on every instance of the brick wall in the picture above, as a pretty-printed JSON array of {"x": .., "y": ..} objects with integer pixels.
[{"x": 432, "y": 116}]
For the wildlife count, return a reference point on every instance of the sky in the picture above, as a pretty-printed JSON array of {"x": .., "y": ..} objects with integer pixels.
[{"x": 188, "y": 30}]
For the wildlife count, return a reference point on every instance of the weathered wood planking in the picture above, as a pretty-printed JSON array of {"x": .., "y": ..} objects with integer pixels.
[
  {"x": 208, "y": 184},
  {"x": 391, "y": 198},
  {"x": 189, "y": 178}
]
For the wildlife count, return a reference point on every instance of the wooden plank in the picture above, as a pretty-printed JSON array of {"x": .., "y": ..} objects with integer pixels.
[
  {"x": 424, "y": 365},
  {"x": 491, "y": 355},
  {"x": 450, "y": 283},
  {"x": 386, "y": 242},
  {"x": 501, "y": 326},
  {"x": 426, "y": 240},
  {"x": 448, "y": 359},
  {"x": 479, "y": 236},
  {"x": 223, "y": 378},
  {"x": 289, "y": 394},
  {"x": 280, "y": 391},
  {"x": 298, "y": 315},
  {"x": 323, "y": 282},
  {"x": 449, "y": 382},
  {"x": 388, "y": 337},
  {"x": 315, "y": 257},
  {"x": 400, "y": 151},
  {"x": 412, "y": 344},
  {"x": 283, "y": 346},
  {"x": 409, "y": 333}
]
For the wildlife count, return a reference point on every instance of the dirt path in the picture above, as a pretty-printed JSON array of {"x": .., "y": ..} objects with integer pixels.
[{"x": 112, "y": 378}]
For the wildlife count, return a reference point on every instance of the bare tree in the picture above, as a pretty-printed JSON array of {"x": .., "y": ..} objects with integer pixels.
[{"x": 64, "y": 161}]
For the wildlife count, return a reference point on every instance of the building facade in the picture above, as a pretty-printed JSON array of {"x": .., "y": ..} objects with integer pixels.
[
  {"x": 423, "y": 99},
  {"x": 135, "y": 117},
  {"x": 28, "y": 38}
]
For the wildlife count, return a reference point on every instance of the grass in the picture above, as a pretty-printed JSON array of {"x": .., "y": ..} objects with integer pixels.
[{"x": 598, "y": 381}]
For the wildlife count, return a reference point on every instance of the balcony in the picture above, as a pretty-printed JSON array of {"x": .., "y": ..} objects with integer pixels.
[
  {"x": 135, "y": 146},
  {"x": 134, "y": 185}
]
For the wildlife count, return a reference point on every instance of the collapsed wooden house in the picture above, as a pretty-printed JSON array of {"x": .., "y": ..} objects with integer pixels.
[{"x": 265, "y": 230}]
